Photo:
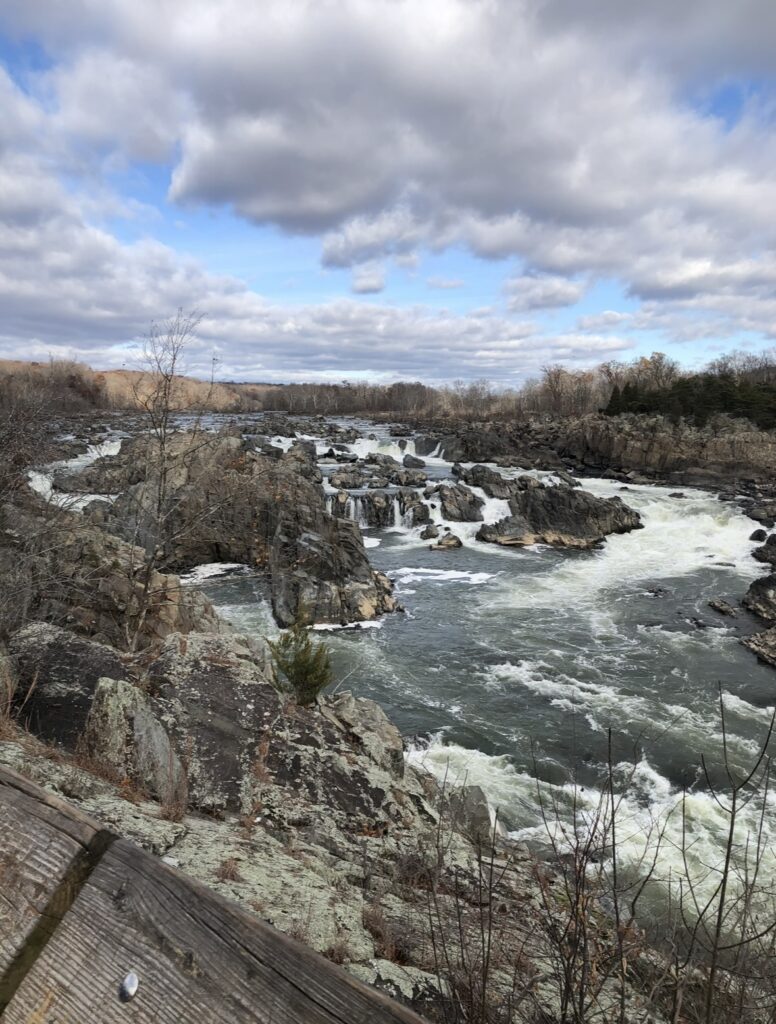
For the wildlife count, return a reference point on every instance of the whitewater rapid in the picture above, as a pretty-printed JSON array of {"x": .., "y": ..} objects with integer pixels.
[
  {"x": 510, "y": 665},
  {"x": 42, "y": 481}
]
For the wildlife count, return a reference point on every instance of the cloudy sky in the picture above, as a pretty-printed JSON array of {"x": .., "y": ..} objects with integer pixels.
[{"x": 388, "y": 188}]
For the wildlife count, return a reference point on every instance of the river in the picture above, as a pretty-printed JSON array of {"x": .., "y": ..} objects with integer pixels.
[
  {"x": 508, "y": 664},
  {"x": 512, "y": 665}
]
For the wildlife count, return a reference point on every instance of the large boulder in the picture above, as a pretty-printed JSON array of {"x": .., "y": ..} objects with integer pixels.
[
  {"x": 767, "y": 552},
  {"x": 319, "y": 571},
  {"x": 124, "y": 734},
  {"x": 412, "y": 507},
  {"x": 760, "y": 598},
  {"x": 216, "y": 699},
  {"x": 448, "y": 542},
  {"x": 458, "y": 503},
  {"x": 377, "y": 508},
  {"x": 559, "y": 515},
  {"x": 57, "y": 673},
  {"x": 407, "y": 477},
  {"x": 493, "y": 483},
  {"x": 468, "y": 444},
  {"x": 349, "y": 479}
]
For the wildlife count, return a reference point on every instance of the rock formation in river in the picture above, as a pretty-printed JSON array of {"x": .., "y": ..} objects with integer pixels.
[
  {"x": 227, "y": 502},
  {"x": 560, "y": 515}
]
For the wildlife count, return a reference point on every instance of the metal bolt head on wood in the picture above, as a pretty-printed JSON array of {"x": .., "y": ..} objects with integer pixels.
[{"x": 128, "y": 988}]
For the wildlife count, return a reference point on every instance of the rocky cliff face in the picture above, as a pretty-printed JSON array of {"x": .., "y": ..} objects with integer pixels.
[
  {"x": 652, "y": 445},
  {"x": 723, "y": 456},
  {"x": 224, "y": 501},
  {"x": 74, "y": 573}
]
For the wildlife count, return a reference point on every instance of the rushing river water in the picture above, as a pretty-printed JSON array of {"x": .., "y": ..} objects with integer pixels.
[{"x": 511, "y": 663}]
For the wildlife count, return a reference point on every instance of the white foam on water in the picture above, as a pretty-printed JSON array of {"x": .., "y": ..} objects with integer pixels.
[
  {"x": 331, "y": 627},
  {"x": 649, "y": 812},
  {"x": 610, "y": 705},
  {"x": 210, "y": 570},
  {"x": 744, "y": 709},
  {"x": 254, "y": 619},
  {"x": 420, "y": 575},
  {"x": 286, "y": 443},
  {"x": 371, "y": 542},
  {"x": 366, "y": 446},
  {"x": 41, "y": 481},
  {"x": 679, "y": 537}
]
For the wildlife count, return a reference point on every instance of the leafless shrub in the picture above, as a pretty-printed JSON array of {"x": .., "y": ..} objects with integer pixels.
[{"x": 229, "y": 871}]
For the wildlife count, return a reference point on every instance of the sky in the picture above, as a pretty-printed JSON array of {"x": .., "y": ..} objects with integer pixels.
[{"x": 388, "y": 189}]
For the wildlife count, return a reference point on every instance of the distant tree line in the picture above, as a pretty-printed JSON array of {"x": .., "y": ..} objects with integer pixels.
[
  {"x": 726, "y": 387},
  {"x": 739, "y": 384}
]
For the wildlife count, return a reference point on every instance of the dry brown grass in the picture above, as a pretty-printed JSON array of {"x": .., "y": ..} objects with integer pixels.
[
  {"x": 229, "y": 871},
  {"x": 123, "y": 387}
]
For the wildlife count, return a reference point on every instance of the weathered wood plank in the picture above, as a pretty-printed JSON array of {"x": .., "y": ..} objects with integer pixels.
[
  {"x": 198, "y": 957},
  {"x": 46, "y": 849}
]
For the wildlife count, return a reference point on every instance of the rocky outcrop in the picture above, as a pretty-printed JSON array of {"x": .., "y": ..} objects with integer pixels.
[
  {"x": 319, "y": 571},
  {"x": 763, "y": 645},
  {"x": 730, "y": 454},
  {"x": 559, "y": 515},
  {"x": 723, "y": 456},
  {"x": 458, "y": 503},
  {"x": 491, "y": 482},
  {"x": 57, "y": 673},
  {"x": 413, "y": 508},
  {"x": 215, "y": 697},
  {"x": 767, "y": 552},
  {"x": 448, "y": 542},
  {"x": 377, "y": 475},
  {"x": 225, "y": 502},
  {"x": 350, "y": 479},
  {"x": 123, "y": 733},
  {"x": 760, "y": 598},
  {"x": 717, "y": 604},
  {"x": 467, "y": 444}
]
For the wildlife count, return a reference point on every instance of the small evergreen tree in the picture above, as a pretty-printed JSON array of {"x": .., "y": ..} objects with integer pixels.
[
  {"x": 614, "y": 408},
  {"x": 305, "y": 666}
]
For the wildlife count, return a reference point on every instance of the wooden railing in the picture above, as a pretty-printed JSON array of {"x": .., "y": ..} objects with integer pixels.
[{"x": 82, "y": 910}]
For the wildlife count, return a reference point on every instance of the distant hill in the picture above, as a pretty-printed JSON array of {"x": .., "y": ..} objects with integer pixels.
[{"x": 123, "y": 388}]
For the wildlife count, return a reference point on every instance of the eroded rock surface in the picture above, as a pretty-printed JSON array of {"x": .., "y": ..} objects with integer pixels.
[
  {"x": 559, "y": 515},
  {"x": 224, "y": 501}
]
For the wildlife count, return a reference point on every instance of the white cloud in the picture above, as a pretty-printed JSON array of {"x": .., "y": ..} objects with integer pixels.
[
  {"x": 543, "y": 292},
  {"x": 70, "y": 288},
  {"x": 368, "y": 279},
  {"x": 564, "y": 135}
]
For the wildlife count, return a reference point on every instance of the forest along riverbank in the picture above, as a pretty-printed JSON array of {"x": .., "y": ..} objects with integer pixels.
[{"x": 508, "y": 661}]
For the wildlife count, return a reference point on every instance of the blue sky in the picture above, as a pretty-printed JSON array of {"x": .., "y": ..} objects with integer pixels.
[{"x": 379, "y": 189}]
